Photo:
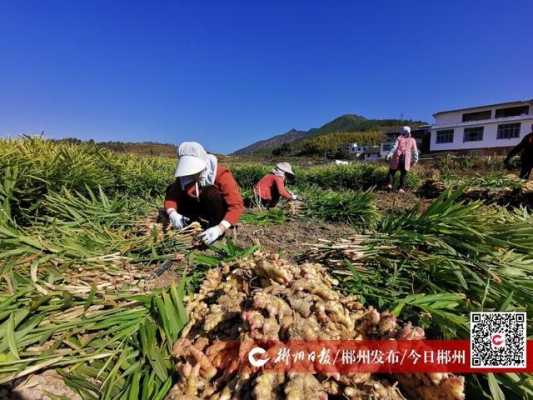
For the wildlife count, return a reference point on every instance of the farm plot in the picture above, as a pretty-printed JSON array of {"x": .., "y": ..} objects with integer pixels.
[{"x": 84, "y": 312}]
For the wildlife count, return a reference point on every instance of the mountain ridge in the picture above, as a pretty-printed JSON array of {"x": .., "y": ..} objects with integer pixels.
[
  {"x": 274, "y": 141},
  {"x": 342, "y": 124}
]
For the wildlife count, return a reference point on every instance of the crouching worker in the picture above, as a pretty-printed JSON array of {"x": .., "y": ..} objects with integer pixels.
[
  {"x": 525, "y": 149},
  {"x": 403, "y": 155},
  {"x": 204, "y": 191},
  {"x": 271, "y": 187}
]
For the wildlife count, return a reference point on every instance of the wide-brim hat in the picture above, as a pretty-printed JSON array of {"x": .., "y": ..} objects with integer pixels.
[
  {"x": 189, "y": 165},
  {"x": 285, "y": 167}
]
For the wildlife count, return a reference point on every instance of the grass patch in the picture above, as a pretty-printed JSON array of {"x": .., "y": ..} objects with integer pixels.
[
  {"x": 273, "y": 216},
  {"x": 351, "y": 207}
]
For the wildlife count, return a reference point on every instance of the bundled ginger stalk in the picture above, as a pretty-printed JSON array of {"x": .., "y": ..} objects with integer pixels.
[{"x": 264, "y": 297}]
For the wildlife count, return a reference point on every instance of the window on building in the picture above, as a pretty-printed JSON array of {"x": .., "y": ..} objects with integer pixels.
[
  {"x": 512, "y": 111},
  {"x": 477, "y": 116},
  {"x": 508, "y": 131},
  {"x": 445, "y": 136},
  {"x": 473, "y": 134}
]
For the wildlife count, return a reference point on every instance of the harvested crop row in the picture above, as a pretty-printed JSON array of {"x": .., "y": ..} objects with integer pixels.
[{"x": 264, "y": 297}]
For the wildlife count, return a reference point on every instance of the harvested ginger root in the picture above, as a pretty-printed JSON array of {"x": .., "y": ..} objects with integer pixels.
[{"x": 264, "y": 297}]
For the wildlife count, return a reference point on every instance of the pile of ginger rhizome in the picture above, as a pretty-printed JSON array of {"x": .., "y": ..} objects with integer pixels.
[{"x": 264, "y": 297}]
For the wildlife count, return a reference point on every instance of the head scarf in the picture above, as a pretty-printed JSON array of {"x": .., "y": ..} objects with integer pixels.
[
  {"x": 406, "y": 131},
  {"x": 208, "y": 175}
]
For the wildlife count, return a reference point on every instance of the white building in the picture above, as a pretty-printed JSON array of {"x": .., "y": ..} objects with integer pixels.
[{"x": 484, "y": 127}]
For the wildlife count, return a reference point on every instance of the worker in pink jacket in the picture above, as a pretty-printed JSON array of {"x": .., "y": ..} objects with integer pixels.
[{"x": 402, "y": 156}]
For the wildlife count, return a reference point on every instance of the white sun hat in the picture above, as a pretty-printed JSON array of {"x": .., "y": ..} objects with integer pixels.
[
  {"x": 285, "y": 167},
  {"x": 192, "y": 159}
]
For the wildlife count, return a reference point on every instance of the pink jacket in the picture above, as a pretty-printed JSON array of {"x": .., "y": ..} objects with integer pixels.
[{"x": 406, "y": 146}]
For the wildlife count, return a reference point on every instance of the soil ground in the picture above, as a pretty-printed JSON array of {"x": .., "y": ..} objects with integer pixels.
[
  {"x": 292, "y": 237},
  {"x": 390, "y": 201}
]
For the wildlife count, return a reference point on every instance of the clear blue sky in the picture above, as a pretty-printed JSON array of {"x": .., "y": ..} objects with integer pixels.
[{"x": 229, "y": 73}]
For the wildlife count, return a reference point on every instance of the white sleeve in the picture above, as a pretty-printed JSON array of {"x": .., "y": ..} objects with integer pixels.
[{"x": 415, "y": 152}]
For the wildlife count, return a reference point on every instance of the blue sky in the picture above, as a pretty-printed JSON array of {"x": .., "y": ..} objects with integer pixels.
[{"x": 230, "y": 73}]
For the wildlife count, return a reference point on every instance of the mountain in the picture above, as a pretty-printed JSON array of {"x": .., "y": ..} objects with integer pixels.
[
  {"x": 343, "y": 124},
  {"x": 273, "y": 142}
]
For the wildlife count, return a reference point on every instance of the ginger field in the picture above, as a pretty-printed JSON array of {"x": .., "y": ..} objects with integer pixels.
[{"x": 99, "y": 301}]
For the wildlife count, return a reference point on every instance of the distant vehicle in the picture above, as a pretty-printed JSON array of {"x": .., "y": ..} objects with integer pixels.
[
  {"x": 341, "y": 162},
  {"x": 360, "y": 152}
]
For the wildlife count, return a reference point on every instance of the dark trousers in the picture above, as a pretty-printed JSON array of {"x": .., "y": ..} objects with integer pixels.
[
  {"x": 270, "y": 203},
  {"x": 403, "y": 173},
  {"x": 525, "y": 170},
  {"x": 209, "y": 209},
  {"x": 273, "y": 201}
]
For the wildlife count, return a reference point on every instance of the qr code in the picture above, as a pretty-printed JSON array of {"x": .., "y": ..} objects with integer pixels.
[{"x": 498, "y": 340}]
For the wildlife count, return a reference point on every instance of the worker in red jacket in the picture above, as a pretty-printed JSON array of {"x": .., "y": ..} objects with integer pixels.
[
  {"x": 271, "y": 187},
  {"x": 203, "y": 190}
]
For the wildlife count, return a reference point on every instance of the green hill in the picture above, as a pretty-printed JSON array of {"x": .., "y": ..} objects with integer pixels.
[{"x": 344, "y": 129}]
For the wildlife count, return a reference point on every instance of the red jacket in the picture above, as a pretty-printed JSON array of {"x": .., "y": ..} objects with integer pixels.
[
  {"x": 268, "y": 183},
  {"x": 227, "y": 185}
]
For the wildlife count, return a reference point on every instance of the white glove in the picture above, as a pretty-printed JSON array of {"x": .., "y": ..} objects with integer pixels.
[
  {"x": 388, "y": 157},
  {"x": 294, "y": 197},
  {"x": 178, "y": 221},
  {"x": 210, "y": 235}
]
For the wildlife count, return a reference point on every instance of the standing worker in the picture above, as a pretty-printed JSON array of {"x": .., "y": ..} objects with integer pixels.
[
  {"x": 271, "y": 187},
  {"x": 403, "y": 151},
  {"x": 203, "y": 190},
  {"x": 526, "y": 148}
]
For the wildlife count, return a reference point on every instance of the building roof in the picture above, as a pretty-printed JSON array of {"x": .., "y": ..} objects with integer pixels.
[{"x": 507, "y": 103}]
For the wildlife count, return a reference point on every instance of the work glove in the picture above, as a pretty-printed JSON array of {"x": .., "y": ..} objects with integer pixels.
[
  {"x": 210, "y": 235},
  {"x": 388, "y": 157},
  {"x": 177, "y": 220},
  {"x": 294, "y": 197}
]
